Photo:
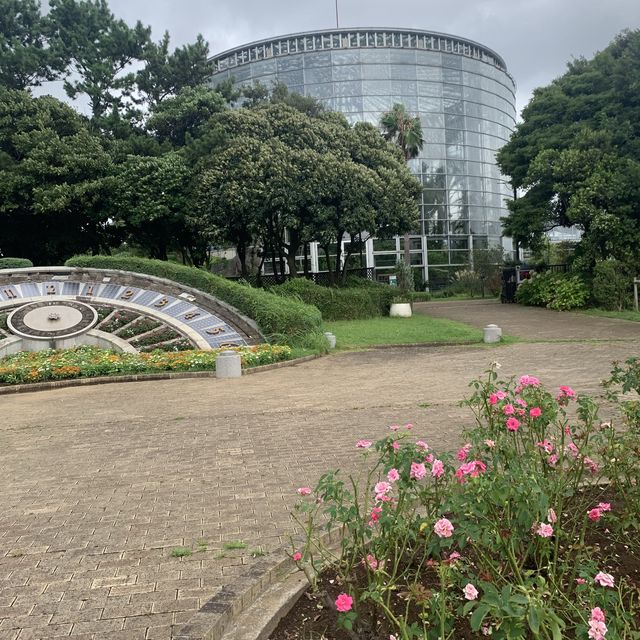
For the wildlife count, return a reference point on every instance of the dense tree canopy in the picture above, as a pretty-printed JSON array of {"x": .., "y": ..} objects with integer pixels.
[
  {"x": 163, "y": 163},
  {"x": 576, "y": 156}
]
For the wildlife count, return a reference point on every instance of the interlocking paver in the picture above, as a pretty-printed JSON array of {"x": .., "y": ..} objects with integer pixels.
[{"x": 101, "y": 483}]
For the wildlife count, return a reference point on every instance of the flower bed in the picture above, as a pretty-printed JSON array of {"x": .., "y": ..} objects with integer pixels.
[
  {"x": 529, "y": 531},
  {"x": 85, "y": 361}
]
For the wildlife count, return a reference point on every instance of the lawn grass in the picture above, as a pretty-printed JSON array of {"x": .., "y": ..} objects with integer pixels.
[
  {"x": 353, "y": 334},
  {"x": 620, "y": 315}
]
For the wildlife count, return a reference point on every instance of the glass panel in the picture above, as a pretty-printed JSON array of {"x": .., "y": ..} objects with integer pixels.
[
  {"x": 320, "y": 59},
  {"x": 348, "y": 104},
  {"x": 388, "y": 244},
  {"x": 375, "y": 71},
  {"x": 434, "y": 135},
  {"x": 315, "y": 76},
  {"x": 291, "y": 77},
  {"x": 432, "y": 166},
  {"x": 455, "y": 151},
  {"x": 459, "y": 243},
  {"x": 437, "y": 243},
  {"x": 289, "y": 63},
  {"x": 453, "y": 106},
  {"x": 402, "y": 71},
  {"x": 435, "y": 120},
  {"x": 429, "y": 58},
  {"x": 430, "y": 89},
  {"x": 404, "y": 87},
  {"x": 480, "y": 242},
  {"x": 385, "y": 259},
  {"x": 377, "y": 103},
  {"x": 319, "y": 90},
  {"x": 429, "y": 74},
  {"x": 415, "y": 244},
  {"x": 438, "y": 257},
  {"x": 345, "y": 57},
  {"x": 453, "y": 136},
  {"x": 434, "y": 196},
  {"x": 459, "y": 257},
  {"x": 434, "y": 181},
  {"x": 376, "y": 87},
  {"x": 346, "y": 72},
  {"x": 429, "y": 104},
  {"x": 263, "y": 67},
  {"x": 451, "y": 61},
  {"x": 416, "y": 258},
  {"x": 375, "y": 55},
  {"x": 348, "y": 89},
  {"x": 407, "y": 57},
  {"x": 453, "y": 76}
]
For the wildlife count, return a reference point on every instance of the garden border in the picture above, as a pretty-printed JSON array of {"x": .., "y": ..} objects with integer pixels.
[
  {"x": 141, "y": 377},
  {"x": 214, "y": 619}
]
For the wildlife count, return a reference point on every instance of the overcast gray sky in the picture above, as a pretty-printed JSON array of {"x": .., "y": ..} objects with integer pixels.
[{"x": 535, "y": 37}]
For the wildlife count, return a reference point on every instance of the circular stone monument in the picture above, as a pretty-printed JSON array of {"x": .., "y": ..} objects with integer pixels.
[{"x": 52, "y": 320}]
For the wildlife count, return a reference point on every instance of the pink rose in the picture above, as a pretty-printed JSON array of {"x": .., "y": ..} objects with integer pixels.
[
  {"x": 580, "y": 581},
  {"x": 371, "y": 562},
  {"x": 544, "y": 530},
  {"x": 443, "y": 528},
  {"x": 344, "y": 603},
  {"x": 508, "y": 409},
  {"x": 521, "y": 402},
  {"x": 363, "y": 444},
  {"x": 437, "y": 469},
  {"x": 493, "y": 398},
  {"x": 501, "y": 395},
  {"x": 395, "y": 445},
  {"x": 528, "y": 381},
  {"x": 375, "y": 515},
  {"x": 546, "y": 445},
  {"x": 393, "y": 475},
  {"x": 470, "y": 592},
  {"x": 604, "y": 506},
  {"x": 536, "y": 412},
  {"x": 382, "y": 488},
  {"x": 594, "y": 514},
  {"x": 604, "y": 579},
  {"x": 297, "y": 556},
  {"x": 394, "y": 427},
  {"x": 408, "y": 426},
  {"x": 490, "y": 443},
  {"x": 422, "y": 444},
  {"x": 597, "y": 614},
  {"x": 464, "y": 452},
  {"x": 597, "y": 627},
  {"x": 513, "y": 424},
  {"x": 552, "y": 460},
  {"x": 418, "y": 470},
  {"x": 304, "y": 491}
]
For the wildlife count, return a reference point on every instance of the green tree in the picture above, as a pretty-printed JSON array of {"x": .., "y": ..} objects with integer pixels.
[
  {"x": 150, "y": 198},
  {"x": 26, "y": 59},
  {"x": 576, "y": 158},
  {"x": 165, "y": 74},
  {"x": 101, "y": 49},
  {"x": 53, "y": 183},
  {"x": 405, "y": 131}
]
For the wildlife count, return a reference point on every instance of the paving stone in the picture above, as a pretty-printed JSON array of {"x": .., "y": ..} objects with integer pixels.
[{"x": 101, "y": 483}]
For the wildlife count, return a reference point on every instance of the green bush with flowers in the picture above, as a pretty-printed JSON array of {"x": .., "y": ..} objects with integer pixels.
[
  {"x": 87, "y": 362},
  {"x": 525, "y": 532}
]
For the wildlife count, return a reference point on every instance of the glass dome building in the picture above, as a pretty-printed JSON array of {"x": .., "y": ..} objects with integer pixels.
[{"x": 464, "y": 96}]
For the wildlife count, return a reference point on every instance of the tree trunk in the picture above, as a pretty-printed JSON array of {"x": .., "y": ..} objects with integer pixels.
[
  {"x": 407, "y": 250},
  {"x": 241, "y": 250}
]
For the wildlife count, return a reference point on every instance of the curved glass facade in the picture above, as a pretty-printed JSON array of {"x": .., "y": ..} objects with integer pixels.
[{"x": 466, "y": 102}]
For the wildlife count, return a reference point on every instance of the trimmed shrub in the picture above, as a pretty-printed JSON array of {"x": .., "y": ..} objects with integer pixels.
[
  {"x": 557, "y": 291},
  {"x": 347, "y": 303},
  {"x": 612, "y": 285},
  {"x": 281, "y": 321},
  {"x": 15, "y": 263}
]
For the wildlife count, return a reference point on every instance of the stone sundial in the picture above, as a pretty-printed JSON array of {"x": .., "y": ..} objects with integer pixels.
[{"x": 52, "y": 320}]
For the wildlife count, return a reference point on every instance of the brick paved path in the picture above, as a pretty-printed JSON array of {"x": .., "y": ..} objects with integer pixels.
[
  {"x": 531, "y": 322},
  {"x": 99, "y": 484}
]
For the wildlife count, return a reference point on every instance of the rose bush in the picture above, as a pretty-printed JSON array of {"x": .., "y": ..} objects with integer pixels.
[{"x": 496, "y": 539}]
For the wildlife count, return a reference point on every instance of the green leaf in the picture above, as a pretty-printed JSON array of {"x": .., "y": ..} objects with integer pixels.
[
  {"x": 533, "y": 617},
  {"x": 478, "y": 616}
]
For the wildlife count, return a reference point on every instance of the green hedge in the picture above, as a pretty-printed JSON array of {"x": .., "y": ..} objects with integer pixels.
[
  {"x": 557, "y": 291},
  {"x": 347, "y": 303},
  {"x": 15, "y": 263},
  {"x": 281, "y": 321}
]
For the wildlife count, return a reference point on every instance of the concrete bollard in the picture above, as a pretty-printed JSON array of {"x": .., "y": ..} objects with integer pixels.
[
  {"x": 492, "y": 333},
  {"x": 228, "y": 365},
  {"x": 331, "y": 339}
]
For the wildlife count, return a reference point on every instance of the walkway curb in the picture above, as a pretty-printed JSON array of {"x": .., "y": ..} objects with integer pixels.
[
  {"x": 220, "y": 617},
  {"x": 142, "y": 377}
]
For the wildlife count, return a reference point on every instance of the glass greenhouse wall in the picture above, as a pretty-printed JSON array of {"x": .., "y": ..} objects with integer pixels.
[{"x": 466, "y": 102}]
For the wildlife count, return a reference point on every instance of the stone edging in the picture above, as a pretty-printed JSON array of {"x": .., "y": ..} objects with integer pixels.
[
  {"x": 216, "y": 616},
  {"x": 141, "y": 377}
]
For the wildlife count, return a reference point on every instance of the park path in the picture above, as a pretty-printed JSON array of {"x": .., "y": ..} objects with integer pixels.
[
  {"x": 531, "y": 323},
  {"x": 100, "y": 484}
]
